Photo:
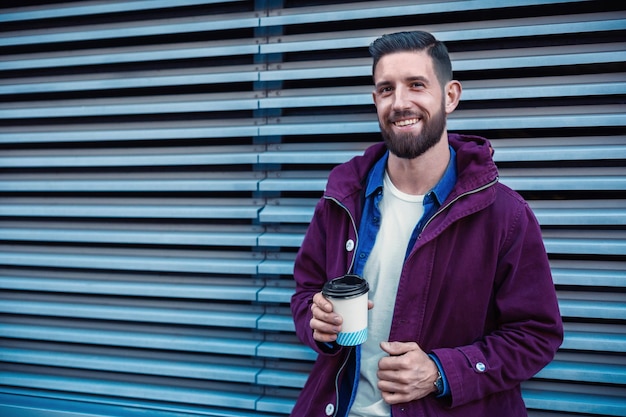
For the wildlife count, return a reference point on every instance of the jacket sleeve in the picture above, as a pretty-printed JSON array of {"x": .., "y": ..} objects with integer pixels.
[
  {"x": 529, "y": 328},
  {"x": 310, "y": 276}
]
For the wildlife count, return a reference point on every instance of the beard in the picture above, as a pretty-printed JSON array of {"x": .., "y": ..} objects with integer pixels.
[{"x": 409, "y": 145}]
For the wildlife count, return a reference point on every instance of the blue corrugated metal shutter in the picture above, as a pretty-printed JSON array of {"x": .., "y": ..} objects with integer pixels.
[{"x": 159, "y": 163}]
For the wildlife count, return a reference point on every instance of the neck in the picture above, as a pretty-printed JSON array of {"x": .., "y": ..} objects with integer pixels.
[{"x": 419, "y": 175}]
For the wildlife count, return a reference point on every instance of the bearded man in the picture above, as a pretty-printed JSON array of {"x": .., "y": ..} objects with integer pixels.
[{"x": 462, "y": 304}]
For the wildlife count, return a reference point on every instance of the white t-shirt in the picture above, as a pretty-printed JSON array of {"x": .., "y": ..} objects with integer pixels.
[{"x": 400, "y": 213}]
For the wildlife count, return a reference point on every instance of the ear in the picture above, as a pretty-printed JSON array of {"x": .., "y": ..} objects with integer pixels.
[{"x": 452, "y": 92}]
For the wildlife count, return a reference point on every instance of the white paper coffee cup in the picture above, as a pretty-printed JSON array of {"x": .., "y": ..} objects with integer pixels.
[{"x": 348, "y": 295}]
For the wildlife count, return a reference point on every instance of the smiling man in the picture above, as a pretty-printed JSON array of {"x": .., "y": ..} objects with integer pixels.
[{"x": 462, "y": 304}]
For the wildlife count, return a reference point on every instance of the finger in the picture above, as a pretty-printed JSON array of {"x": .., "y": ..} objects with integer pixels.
[
  {"x": 398, "y": 348},
  {"x": 321, "y": 315},
  {"x": 321, "y": 301},
  {"x": 370, "y": 304},
  {"x": 324, "y": 332},
  {"x": 392, "y": 398},
  {"x": 402, "y": 356}
]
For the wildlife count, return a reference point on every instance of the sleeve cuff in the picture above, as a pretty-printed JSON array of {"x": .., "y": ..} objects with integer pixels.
[{"x": 446, "y": 387}]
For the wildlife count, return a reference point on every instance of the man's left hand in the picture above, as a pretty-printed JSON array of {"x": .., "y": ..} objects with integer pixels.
[{"x": 407, "y": 374}]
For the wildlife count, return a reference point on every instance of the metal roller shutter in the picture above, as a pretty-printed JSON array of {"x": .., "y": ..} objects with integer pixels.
[{"x": 159, "y": 164}]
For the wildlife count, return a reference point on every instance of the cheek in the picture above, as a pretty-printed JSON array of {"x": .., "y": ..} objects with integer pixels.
[{"x": 382, "y": 107}]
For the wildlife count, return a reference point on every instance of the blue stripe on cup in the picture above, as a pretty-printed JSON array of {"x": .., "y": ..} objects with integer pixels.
[{"x": 352, "y": 339}]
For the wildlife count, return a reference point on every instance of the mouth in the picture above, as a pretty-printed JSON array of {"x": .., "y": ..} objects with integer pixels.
[{"x": 406, "y": 122}]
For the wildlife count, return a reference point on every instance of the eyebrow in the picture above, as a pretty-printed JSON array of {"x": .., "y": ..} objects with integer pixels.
[{"x": 406, "y": 80}]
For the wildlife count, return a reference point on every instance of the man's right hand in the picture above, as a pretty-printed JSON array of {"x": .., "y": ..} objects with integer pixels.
[{"x": 325, "y": 323}]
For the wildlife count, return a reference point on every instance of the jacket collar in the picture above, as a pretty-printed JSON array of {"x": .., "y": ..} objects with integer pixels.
[
  {"x": 474, "y": 163},
  {"x": 439, "y": 192}
]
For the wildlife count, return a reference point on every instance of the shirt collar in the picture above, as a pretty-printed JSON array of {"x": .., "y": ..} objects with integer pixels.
[{"x": 440, "y": 191}]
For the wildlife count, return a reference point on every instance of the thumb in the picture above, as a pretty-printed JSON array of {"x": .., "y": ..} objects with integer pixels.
[{"x": 398, "y": 348}]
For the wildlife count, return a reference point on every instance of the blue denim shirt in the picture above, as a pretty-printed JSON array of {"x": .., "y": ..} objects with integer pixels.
[{"x": 370, "y": 222}]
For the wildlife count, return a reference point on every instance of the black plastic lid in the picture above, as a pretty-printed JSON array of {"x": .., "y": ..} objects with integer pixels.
[{"x": 345, "y": 287}]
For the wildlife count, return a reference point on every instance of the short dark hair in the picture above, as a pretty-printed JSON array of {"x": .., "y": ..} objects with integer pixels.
[{"x": 414, "y": 41}]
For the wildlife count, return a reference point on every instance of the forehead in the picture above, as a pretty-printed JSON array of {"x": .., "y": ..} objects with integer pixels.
[{"x": 404, "y": 64}]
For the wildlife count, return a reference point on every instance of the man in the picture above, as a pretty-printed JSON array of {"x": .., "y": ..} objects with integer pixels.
[{"x": 462, "y": 304}]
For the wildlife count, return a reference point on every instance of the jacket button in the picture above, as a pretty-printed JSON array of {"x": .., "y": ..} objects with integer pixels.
[
  {"x": 480, "y": 367},
  {"x": 350, "y": 245},
  {"x": 330, "y": 409}
]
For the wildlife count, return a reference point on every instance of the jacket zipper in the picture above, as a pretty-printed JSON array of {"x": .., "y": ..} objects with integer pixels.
[
  {"x": 465, "y": 194},
  {"x": 356, "y": 232},
  {"x": 343, "y": 365},
  {"x": 356, "y": 235}
]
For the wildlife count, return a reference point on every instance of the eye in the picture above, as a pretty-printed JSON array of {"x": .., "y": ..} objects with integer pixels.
[
  {"x": 385, "y": 90},
  {"x": 417, "y": 84}
]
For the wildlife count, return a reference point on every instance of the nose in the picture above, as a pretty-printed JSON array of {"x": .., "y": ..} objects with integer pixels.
[{"x": 400, "y": 99}]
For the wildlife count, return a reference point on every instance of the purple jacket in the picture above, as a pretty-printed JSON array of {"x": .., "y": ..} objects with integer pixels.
[{"x": 476, "y": 291}]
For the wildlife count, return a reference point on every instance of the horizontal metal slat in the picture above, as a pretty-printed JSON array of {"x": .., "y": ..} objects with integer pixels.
[
  {"x": 134, "y": 314},
  {"x": 275, "y": 294},
  {"x": 33, "y": 13},
  {"x": 594, "y": 341},
  {"x": 272, "y": 377},
  {"x": 129, "y": 208},
  {"x": 501, "y": 30},
  {"x": 173, "y": 394},
  {"x": 276, "y": 266},
  {"x": 376, "y": 10},
  {"x": 545, "y": 87},
  {"x": 281, "y": 239},
  {"x": 119, "y": 211},
  {"x": 611, "y": 242},
  {"x": 51, "y": 185},
  {"x": 539, "y": 117},
  {"x": 585, "y": 372},
  {"x": 572, "y": 216},
  {"x": 129, "y": 80},
  {"x": 585, "y": 273},
  {"x": 289, "y": 351},
  {"x": 145, "y": 366},
  {"x": 220, "y": 345},
  {"x": 130, "y": 106},
  {"x": 128, "y": 55},
  {"x": 462, "y": 120},
  {"x": 558, "y": 179},
  {"x": 593, "y": 309},
  {"x": 127, "y": 30},
  {"x": 215, "y": 345},
  {"x": 544, "y": 57},
  {"x": 585, "y": 179},
  {"x": 575, "y": 402},
  {"x": 472, "y": 91},
  {"x": 275, "y": 404},
  {"x": 149, "y": 289},
  {"x": 506, "y": 150},
  {"x": 207, "y": 264},
  {"x": 465, "y": 61},
  {"x": 275, "y": 322},
  {"x": 286, "y": 214},
  {"x": 128, "y": 157},
  {"x": 547, "y": 216},
  {"x": 31, "y": 403},
  {"x": 119, "y": 237},
  {"x": 546, "y": 149},
  {"x": 112, "y": 133}
]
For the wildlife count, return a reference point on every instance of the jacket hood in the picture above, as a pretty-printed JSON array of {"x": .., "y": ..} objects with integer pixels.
[{"x": 474, "y": 162}]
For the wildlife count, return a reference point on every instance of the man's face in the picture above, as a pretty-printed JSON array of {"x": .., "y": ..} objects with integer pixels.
[{"x": 410, "y": 103}]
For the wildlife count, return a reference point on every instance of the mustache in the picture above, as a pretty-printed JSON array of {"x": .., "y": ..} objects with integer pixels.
[{"x": 406, "y": 114}]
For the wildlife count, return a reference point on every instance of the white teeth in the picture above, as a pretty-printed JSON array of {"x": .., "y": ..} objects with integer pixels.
[{"x": 408, "y": 122}]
